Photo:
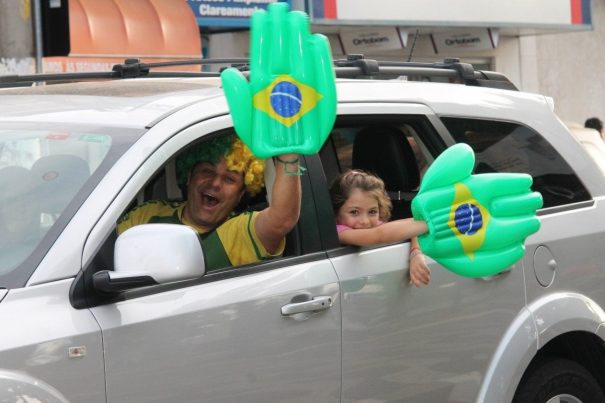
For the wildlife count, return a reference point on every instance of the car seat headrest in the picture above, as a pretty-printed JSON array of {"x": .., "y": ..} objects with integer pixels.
[
  {"x": 59, "y": 178},
  {"x": 386, "y": 152}
]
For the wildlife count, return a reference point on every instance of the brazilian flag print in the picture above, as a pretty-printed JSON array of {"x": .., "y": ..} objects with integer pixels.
[
  {"x": 468, "y": 220},
  {"x": 477, "y": 223},
  {"x": 289, "y": 105},
  {"x": 286, "y": 100}
]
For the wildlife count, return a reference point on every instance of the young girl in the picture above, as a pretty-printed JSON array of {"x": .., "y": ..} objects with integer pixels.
[{"x": 362, "y": 209}]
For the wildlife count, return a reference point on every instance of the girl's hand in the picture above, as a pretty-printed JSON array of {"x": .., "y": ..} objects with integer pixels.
[
  {"x": 477, "y": 222},
  {"x": 420, "y": 274}
]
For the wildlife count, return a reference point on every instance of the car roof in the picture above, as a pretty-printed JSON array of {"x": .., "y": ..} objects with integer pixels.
[
  {"x": 138, "y": 103},
  {"x": 443, "y": 98}
]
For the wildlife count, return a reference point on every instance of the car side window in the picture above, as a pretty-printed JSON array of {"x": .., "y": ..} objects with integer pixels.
[
  {"x": 391, "y": 151},
  {"x": 344, "y": 139},
  {"x": 163, "y": 197},
  {"x": 510, "y": 147},
  {"x": 154, "y": 207},
  {"x": 164, "y": 190}
]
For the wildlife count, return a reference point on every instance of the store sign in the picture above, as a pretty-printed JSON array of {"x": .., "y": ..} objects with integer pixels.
[
  {"x": 468, "y": 39},
  {"x": 335, "y": 44},
  {"x": 469, "y": 13},
  {"x": 228, "y": 13},
  {"x": 368, "y": 40}
]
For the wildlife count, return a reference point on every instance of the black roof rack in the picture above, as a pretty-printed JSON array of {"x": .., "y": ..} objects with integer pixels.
[
  {"x": 354, "y": 66},
  {"x": 131, "y": 68}
]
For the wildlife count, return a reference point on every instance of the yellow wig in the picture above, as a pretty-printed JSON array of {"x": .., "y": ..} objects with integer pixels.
[{"x": 238, "y": 158}]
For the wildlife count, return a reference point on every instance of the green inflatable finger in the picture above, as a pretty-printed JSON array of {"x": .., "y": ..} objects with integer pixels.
[
  {"x": 289, "y": 105},
  {"x": 477, "y": 223}
]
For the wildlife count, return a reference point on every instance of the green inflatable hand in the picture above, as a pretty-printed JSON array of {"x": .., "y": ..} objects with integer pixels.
[
  {"x": 289, "y": 106},
  {"x": 477, "y": 223}
]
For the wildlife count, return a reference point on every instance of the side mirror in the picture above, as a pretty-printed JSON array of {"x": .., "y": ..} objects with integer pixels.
[{"x": 151, "y": 254}]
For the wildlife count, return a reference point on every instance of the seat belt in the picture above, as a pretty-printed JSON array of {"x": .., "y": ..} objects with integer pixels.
[{"x": 172, "y": 188}]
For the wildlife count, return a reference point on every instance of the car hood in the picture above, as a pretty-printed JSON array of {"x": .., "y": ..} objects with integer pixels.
[{"x": 124, "y": 103}]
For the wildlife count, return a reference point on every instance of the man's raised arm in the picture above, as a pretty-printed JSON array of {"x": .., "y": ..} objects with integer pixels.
[{"x": 274, "y": 222}]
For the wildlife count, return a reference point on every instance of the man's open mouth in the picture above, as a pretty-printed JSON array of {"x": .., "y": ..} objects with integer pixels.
[{"x": 209, "y": 200}]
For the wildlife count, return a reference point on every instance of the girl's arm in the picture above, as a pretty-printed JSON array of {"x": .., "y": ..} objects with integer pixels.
[
  {"x": 420, "y": 274},
  {"x": 392, "y": 231}
]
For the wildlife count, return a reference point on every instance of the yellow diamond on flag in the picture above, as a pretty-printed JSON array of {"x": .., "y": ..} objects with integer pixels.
[
  {"x": 468, "y": 220},
  {"x": 286, "y": 100}
]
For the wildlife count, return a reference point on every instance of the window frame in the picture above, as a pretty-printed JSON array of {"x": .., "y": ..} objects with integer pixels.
[
  {"x": 431, "y": 142},
  {"x": 563, "y": 163},
  {"x": 306, "y": 233}
]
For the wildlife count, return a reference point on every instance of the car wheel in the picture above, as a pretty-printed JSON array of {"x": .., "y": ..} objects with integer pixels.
[{"x": 557, "y": 380}]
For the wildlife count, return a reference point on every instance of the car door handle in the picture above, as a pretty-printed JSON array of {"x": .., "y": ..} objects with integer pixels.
[{"x": 314, "y": 305}]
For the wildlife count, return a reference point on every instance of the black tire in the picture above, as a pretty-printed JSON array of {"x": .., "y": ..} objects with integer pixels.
[{"x": 554, "y": 377}]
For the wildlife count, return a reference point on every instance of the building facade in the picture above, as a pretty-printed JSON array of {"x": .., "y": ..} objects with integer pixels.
[{"x": 550, "y": 47}]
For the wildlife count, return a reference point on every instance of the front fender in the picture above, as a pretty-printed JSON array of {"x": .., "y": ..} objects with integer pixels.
[
  {"x": 537, "y": 324},
  {"x": 516, "y": 349},
  {"x": 17, "y": 387},
  {"x": 563, "y": 312}
]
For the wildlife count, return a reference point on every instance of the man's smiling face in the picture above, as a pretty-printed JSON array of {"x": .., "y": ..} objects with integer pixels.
[{"x": 213, "y": 191}]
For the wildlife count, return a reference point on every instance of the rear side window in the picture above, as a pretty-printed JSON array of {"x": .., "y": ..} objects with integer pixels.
[
  {"x": 395, "y": 148},
  {"x": 509, "y": 147}
]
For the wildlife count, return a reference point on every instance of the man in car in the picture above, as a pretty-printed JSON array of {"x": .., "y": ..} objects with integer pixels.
[{"x": 218, "y": 174}]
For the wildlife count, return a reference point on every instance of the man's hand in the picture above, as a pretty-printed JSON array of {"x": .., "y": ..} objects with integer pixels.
[
  {"x": 477, "y": 223},
  {"x": 289, "y": 106}
]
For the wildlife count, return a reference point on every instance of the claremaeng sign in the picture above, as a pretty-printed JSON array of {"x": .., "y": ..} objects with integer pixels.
[
  {"x": 547, "y": 14},
  {"x": 228, "y": 13}
]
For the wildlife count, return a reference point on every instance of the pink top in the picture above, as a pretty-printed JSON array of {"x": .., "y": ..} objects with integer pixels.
[{"x": 340, "y": 228}]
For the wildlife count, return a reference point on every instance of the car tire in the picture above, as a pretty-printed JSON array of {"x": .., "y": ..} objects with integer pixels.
[{"x": 558, "y": 380}]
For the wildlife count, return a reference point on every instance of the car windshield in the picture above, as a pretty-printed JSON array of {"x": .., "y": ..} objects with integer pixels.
[{"x": 41, "y": 172}]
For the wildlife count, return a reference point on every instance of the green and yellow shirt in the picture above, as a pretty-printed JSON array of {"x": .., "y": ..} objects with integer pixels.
[{"x": 233, "y": 243}]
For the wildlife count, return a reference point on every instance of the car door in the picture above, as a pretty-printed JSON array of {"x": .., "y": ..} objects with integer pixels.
[
  {"x": 400, "y": 343},
  {"x": 226, "y": 340},
  {"x": 49, "y": 351},
  {"x": 224, "y": 337}
]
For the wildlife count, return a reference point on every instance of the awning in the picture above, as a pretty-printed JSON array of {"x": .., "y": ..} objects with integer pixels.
[{"x": 105, "y": 32}]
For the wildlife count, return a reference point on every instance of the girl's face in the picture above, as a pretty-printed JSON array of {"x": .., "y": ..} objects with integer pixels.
[{"x": 359, "y": 211}]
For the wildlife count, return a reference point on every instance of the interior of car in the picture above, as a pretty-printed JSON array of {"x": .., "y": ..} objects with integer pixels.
[{"x": 391, "y": 149}]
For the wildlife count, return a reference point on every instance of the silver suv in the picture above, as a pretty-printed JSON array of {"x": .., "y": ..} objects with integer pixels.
[{"x": 91, "y": 317}]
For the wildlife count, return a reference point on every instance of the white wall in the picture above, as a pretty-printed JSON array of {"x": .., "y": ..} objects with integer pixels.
[
  {"x": 16, "y": 38},
  {"x": 229, "y": 45},
  {"x": 570, "y": 69},
  {"x": 13, "y": 65}
]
